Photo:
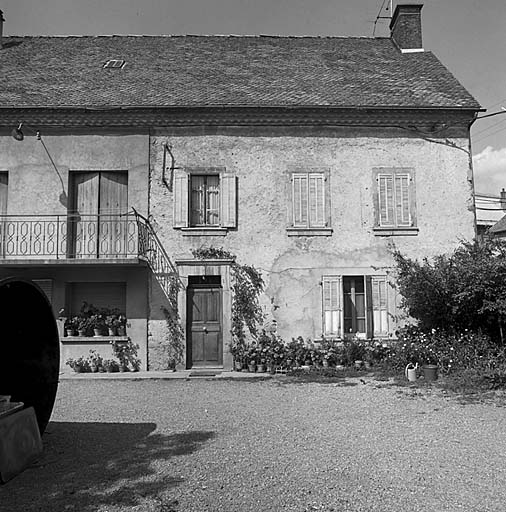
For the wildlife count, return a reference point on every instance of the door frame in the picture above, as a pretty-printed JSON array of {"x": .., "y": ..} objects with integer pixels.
[
  {"x": 189, "y": 321},
  {"x": 195, "y": 267}
]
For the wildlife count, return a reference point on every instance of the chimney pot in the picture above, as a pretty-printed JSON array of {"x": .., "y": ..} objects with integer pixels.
[
  {"x": 406, "y": 27},
  {"x": 503, "y": 200}
]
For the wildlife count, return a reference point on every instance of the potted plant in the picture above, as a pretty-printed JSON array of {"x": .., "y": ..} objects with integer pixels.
[
  {"x": 79, "y": 365},
  {"x": 96, "y": 361},
  {"x": 122, "y": 325},
  {"x": 126, "y": 352},
  {"x": 112, "y": 323},
  {"x": 71, "y": 325},
  {"x": 110, "y": 365},
  {"x": 97, "y": 323}
]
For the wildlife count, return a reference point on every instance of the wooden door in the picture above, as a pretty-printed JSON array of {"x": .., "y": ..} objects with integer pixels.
[
  {"x": 113, "y": 202},
  {"x": 204, "y": 310},
  {"x": 84, "y": 214},
  {"x": 4, "y": 180}
]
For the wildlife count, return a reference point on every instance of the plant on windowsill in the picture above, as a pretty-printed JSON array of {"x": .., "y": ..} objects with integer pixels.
[
  {"x": 96, "y": 361},
  {"x": 110, "y": 365},
  {"x": 71, "y": 325},
  {"x": 97, "y": 322},
  {"x": 112, "y": 322}
]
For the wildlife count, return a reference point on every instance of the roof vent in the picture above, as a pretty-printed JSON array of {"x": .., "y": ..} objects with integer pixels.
[{"x": 114, "y": 64}]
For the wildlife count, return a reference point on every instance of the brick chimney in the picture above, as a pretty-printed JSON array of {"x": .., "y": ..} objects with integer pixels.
[
  {"x": 406, "y": 27},
  {"x": 1, "y": 29}
]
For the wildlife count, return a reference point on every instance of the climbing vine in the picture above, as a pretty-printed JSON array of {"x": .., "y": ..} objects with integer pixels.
[{"x": 247, "y": 284}]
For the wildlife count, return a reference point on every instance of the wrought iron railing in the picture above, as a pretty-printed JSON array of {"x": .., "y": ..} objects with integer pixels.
[
  {"x": 70, "y": 236},
  {"x": 152, "y": 250}
]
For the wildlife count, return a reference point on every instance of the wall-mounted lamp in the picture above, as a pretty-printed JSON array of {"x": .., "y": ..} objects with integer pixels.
[{"x": 17, "y": 134}]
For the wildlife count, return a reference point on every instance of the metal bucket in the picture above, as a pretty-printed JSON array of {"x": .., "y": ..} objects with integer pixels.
[{"x": 429, "y": 372}]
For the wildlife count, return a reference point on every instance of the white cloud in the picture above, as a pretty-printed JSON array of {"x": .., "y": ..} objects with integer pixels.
[{"x": 490, "y": 170}]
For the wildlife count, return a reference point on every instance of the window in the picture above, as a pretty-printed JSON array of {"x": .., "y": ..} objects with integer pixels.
[
  {"x": 354, "y": 306},
  {"x": 204, "y": 198},
  {"x": 394, "y": 200},
  {"x": 309, "y": 212}
]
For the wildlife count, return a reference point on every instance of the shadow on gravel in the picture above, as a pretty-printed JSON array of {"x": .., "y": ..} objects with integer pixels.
[{"x": 90, "y": 466}]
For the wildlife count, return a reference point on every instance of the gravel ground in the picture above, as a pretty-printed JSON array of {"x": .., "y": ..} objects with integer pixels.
[{"x": 273, "y": 445}]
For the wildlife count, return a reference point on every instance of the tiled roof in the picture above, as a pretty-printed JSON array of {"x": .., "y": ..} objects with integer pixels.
[
  {"x": 499, "y": 227},
  {"x": 252, "y": 71}
]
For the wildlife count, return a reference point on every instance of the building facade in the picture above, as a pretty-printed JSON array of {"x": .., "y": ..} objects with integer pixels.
[{"x": 310, "y": 158}]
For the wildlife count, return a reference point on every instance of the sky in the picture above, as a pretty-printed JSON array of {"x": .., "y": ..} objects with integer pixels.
[{"x": 468, "y": 36}]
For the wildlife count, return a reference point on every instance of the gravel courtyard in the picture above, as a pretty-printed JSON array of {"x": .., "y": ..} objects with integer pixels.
[{"x": 269, "y": 445}]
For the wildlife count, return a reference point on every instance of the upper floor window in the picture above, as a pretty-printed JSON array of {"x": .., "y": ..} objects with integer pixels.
[
  {"x": 205, "y": 198},
  {"x": 309, "y": 203},
  {"x": 394, "y": 200}
]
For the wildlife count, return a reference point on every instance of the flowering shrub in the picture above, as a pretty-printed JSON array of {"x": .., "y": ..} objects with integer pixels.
[{"x": 449, "y": 351}]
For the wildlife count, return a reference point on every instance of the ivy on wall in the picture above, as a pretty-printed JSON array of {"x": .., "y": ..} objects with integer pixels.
[{"x": 247, "y": 284}]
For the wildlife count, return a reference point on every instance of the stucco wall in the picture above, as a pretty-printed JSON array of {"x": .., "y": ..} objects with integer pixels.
[
  {"x": 34, "y": 186},
  {"x": 293, "y": 266}
]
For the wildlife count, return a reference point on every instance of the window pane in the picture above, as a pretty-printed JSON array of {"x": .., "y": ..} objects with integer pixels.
[
  {"x": 300, "y": 191},
  {"x": 213, "y": 200},
  {"x": 197, "y": 200}
]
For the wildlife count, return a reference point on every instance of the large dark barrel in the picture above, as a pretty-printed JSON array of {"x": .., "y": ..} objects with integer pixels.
[{"x": 29, "y": 347}]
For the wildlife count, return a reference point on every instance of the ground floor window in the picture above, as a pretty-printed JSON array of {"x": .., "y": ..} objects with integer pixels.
[
  {"x": 101, "y": 295},
  {"x": 354, "y": 305}
]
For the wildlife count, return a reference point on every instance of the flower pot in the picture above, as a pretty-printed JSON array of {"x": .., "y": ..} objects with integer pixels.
[
  {"x": 70, "y": 332},
  {"x": 358, "y": 364},
  {"x": 252, "y": 368},
  {"x": 429, "y": 372},
  {"x": 97, "y": 332},
  {"x": 113, "y": 331},
  {"x": 261, "y": 368},
  {"x": 121, "y": 331},
  {"x": 81, "y": 332},
  {"x": 325, "y": 363},
  {"x": 238, "y": 366},
  {"x": 367, "y": 365}
]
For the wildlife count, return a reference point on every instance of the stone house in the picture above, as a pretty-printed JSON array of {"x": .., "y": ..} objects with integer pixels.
[{"x": 307, "y": 157}]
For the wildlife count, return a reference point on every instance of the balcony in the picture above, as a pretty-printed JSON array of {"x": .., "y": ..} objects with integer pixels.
[{"x": 70, "y": 238}]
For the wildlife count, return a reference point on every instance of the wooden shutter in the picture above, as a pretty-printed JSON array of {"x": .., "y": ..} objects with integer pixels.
[
  {"x": 402, "y": 200},
  {"x": 378, "y": 299},
  {"x": 86, "y": 207},
  {"x": 299, "y": 200},
  {"x": 113, "y": 201},
  {"x": 180, "y": 199},
  {"x": 386, "y": 199},
  {"x": 228, "y": 189},
  {"x": 332, "y": 300},
  {"x": 316, "y": 200}
]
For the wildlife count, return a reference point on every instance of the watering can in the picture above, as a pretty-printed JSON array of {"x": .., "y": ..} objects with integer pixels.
[{"x": 410, "y": 372}]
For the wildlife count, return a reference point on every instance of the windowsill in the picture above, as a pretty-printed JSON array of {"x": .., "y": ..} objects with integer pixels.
[
  {"x": 405, "y": 231},
  {"x": 309, "y": 231},
  {"x": 92, "y": 339},
  {"x": 204, "y": 231}
]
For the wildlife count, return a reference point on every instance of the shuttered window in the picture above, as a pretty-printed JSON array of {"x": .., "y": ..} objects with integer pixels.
[
  {"x": 332, "y": 300},
  {"x": 343, "y": 300},
  {"x": 395, "y": 198},
  {"x": 308, "y": 200},
  {"x": 204, "y": 199}
]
